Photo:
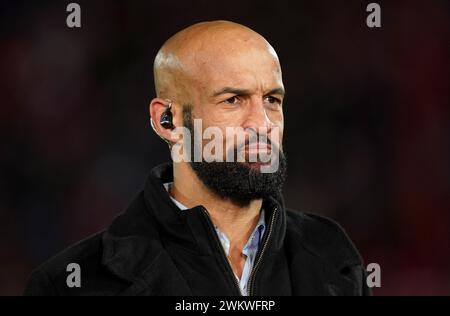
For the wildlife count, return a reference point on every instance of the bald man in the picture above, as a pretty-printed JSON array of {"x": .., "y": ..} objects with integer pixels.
[{"x": 213, "y": 221}]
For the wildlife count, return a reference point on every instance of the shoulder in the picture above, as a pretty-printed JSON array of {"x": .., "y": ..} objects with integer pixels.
[
  {"x": 322, "y": 236},
  {"x": 127, "y": 242},
  {"x": 50, "y": 277}
]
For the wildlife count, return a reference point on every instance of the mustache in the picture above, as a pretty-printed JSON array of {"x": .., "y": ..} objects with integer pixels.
[{"x": 256, "y": 140}]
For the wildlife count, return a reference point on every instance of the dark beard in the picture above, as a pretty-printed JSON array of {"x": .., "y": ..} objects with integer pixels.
[{"x": 237, "y": 181}]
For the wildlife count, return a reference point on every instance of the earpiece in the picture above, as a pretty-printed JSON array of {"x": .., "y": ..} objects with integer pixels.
[
  {"x": 166, "y": 121},
  {"x": 166, "y": 117}
]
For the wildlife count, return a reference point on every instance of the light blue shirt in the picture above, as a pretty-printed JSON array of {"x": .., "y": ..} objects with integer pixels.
[{"x": 250, "y": 249}]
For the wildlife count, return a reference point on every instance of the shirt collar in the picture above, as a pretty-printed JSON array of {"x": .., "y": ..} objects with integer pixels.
[
  {"x": 255, "y": 238},
  {"x": 180, "y": 205}
]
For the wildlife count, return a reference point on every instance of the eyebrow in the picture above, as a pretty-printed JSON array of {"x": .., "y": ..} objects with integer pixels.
[
  {"x": 279, "y": 91},
  {"x": 238, "y": 91},
  {"x": 231, "y": 90}
]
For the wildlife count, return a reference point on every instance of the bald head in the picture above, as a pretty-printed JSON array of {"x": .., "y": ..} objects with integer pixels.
[
  {"x": 222, "y": 78},
  {"x": 200, "y": 53},
  {"x": 228, "y": 74}
]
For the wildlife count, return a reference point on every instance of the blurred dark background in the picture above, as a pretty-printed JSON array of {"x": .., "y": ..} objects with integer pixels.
[{"x": 367, "y": 123}]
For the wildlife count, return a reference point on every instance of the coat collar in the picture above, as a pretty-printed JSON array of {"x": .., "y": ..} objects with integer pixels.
[
  {"x": 136, "y": 244},
  {"x": 133, "y": 241}
]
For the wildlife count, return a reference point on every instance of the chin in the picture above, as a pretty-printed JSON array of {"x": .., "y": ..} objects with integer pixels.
[{"x": 255, "y": 165}]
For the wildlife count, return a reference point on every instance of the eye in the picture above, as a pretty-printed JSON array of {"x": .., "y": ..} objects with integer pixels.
[
  {"x": 272, "y": 100},
  {"x": 232, "y": 100}
]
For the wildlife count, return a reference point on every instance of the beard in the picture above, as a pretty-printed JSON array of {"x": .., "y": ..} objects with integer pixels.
[{"x": 241, "y": 182}]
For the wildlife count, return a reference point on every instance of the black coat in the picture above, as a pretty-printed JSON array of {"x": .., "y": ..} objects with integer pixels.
[{"x": 155, "y": 249}]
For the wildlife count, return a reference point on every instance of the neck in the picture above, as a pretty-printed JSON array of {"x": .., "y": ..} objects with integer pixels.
[{"x": 233, "y": 219}]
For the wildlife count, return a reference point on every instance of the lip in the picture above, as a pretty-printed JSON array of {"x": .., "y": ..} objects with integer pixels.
[{"x": 258, "y": 147}]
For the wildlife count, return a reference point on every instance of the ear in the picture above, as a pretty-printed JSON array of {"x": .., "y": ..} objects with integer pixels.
[{"x": 156, "y": 108}]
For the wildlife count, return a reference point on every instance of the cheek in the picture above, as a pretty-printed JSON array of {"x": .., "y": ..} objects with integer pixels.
[
  {"x": 216, "y": 121},
  {"x": 277, "y": 134},
  {"x": 223, "y": 119},
  {"x": 276, "y": 117}
]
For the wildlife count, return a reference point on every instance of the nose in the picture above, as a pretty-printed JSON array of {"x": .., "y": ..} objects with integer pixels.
[{"x": 257, "y": 117}]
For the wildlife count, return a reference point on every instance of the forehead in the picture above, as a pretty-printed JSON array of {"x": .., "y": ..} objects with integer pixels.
[{"x": 251, "y": 68}]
